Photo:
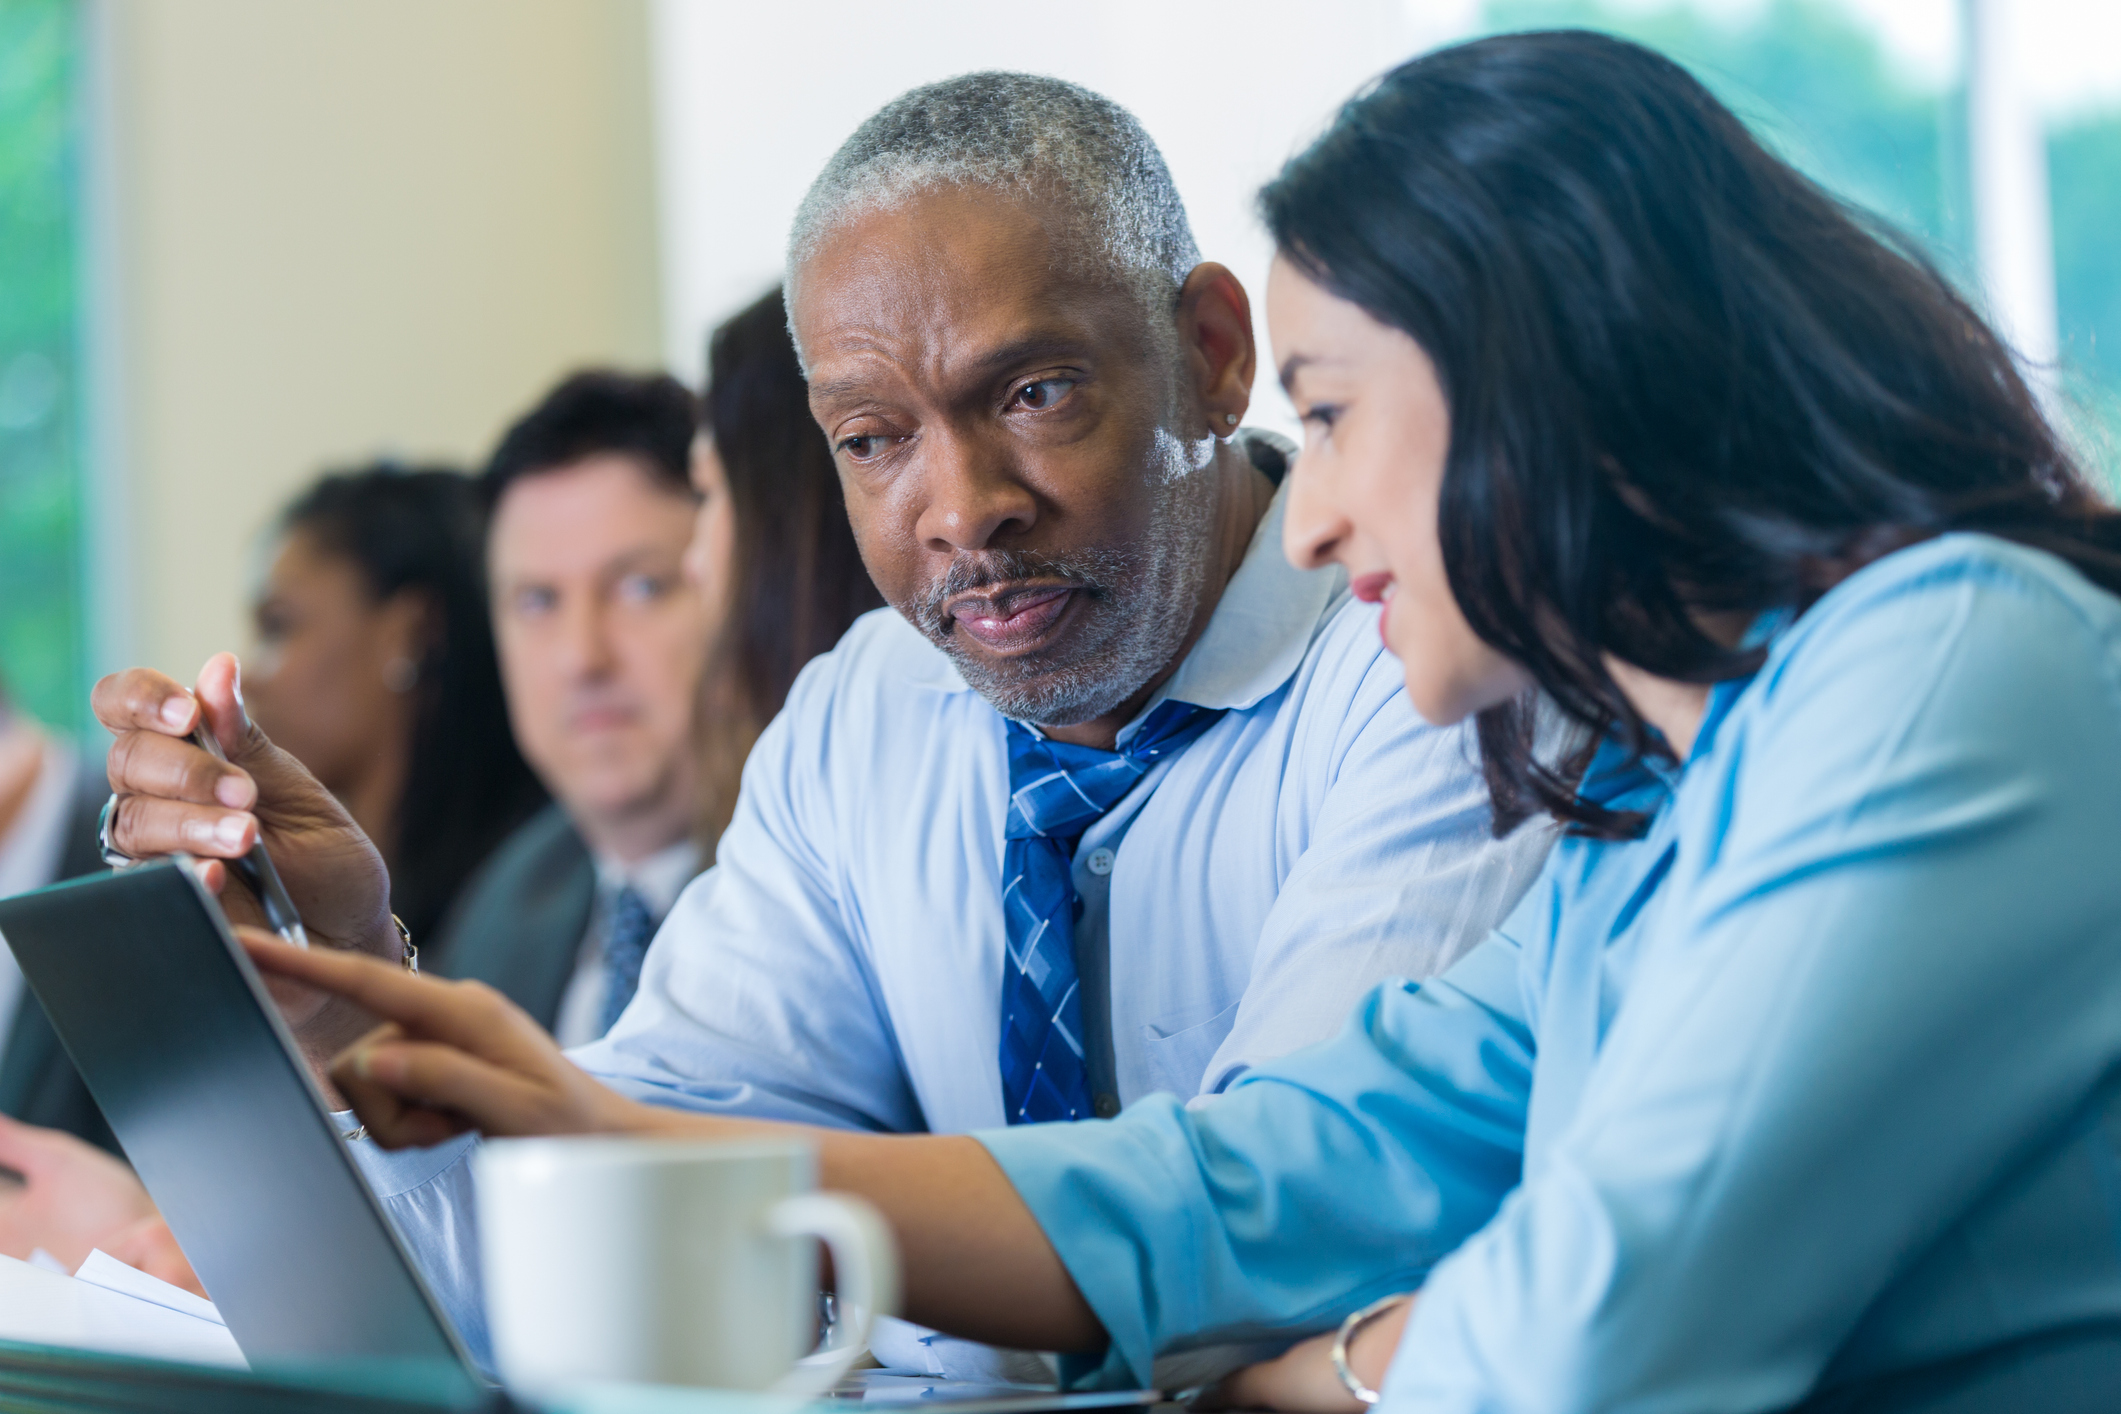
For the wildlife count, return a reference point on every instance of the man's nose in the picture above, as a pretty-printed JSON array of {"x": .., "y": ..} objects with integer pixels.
[
  {"x": 974, "y": 496},
  {"x": 585, "y": 636},
  {"x": 1313, "y": 528}
]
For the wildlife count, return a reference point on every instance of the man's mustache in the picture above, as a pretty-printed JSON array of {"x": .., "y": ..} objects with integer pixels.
[{"x": 970, "y": 572}]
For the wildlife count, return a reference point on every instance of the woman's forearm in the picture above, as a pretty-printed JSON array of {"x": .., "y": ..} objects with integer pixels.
[{"x": 977, "y": 1264}]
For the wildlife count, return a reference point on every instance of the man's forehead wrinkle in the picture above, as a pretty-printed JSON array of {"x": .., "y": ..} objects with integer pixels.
[{"x": 939, "y": 296}]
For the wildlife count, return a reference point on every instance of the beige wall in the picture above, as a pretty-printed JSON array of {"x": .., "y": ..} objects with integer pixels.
[{"x": 341, "y": 229}]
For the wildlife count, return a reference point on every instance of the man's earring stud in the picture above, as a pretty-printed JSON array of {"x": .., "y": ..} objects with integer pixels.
[{"x": 1231, "y": 418}]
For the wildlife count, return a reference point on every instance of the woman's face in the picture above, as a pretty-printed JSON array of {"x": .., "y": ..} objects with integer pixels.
[
  {"x": 1364, "y": 491},
  {"x": 710, "y": 558},
  {"x": 332, "y": 675}
]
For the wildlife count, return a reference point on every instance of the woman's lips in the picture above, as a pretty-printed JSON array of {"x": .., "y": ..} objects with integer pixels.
[
  {"x": 1012, "y": 621},
  {"x": 1375, "y": 589}
]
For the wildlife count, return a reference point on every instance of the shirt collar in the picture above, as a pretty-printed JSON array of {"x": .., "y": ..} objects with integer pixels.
[
  {"x": 658, "y": 879},
  {"x": 1262, "y": 626}
]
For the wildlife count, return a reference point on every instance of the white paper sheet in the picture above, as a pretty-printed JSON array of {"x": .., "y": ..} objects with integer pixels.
[
  {"x": 50, "y": 1308},
  {"x": 102, "y": 1269}
]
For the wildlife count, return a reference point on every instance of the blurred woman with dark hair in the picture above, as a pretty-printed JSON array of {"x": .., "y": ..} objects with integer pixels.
[
  {"x": 375, "y": 669},
  {"x": 773, "y": 553}
]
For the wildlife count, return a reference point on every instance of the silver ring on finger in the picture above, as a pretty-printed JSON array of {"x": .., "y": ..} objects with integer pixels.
[{"x": 112, "y": 855}]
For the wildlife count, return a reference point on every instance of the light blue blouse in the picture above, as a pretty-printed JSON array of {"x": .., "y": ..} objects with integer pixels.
[{"x": 1812, "y": 1092}]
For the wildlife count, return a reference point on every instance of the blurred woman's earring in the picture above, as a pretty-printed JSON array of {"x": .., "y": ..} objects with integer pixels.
[
  {"x": 401, "y": 675},
  {"x": 1230, "y": 418}
]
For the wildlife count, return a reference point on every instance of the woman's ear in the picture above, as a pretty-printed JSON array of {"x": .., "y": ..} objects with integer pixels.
[
  {"x": 409, "y": 637},
  {"x": 1215, "y": 327}
]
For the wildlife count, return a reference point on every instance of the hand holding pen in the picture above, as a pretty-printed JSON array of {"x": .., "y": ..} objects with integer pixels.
[{"x": 177, "y": 795}]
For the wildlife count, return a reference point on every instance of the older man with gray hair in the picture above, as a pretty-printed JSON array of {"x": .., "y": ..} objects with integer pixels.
[{"x": 1115, "y": 803}]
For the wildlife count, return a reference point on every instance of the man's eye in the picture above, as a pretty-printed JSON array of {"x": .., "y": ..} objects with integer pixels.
[
  {"x": 531, "y": 602},
  {"x": 1044, "y": 393},
  {"x": 641, "y": 588},
  {"x": 862, "y": 449}
]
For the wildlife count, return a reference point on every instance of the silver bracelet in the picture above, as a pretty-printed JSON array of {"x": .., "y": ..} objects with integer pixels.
[
  {"x": 409, "y": 959},
  {"x": 1342, "y": 1341}
]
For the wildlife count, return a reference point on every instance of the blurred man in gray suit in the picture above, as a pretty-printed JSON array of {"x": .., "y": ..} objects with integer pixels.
[{"x": 601, "y": 640}]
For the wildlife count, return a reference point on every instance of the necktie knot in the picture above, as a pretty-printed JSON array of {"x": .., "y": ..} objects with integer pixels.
[{"x": 1058, "y": 789}]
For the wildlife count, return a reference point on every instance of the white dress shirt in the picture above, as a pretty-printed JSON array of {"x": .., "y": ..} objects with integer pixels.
[
  {"x": 29, "y": 856},
  {"x": 658, "y": 879},
  {"x": 842, "y": 963}
]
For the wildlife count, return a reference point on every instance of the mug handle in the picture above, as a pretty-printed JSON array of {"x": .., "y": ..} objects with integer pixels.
[{"x": 865, "y": 1264}]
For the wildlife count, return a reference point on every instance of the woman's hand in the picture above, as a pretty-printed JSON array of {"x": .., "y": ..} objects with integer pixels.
[
  {"x": 1302, "y": 1378},
  {"x": 149, "y": 1245},
  {"x": 450, "y": 1056},
  {"x": 70, "y": 1197}
]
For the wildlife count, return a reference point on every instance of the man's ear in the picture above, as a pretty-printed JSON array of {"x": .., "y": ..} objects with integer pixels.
[{"x": 1215, "y": 327}]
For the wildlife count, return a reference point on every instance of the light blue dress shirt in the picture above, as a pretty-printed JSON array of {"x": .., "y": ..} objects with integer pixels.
[
  {"x": 842, "y": 963},
  {"x": 1813, "y": 1093}
]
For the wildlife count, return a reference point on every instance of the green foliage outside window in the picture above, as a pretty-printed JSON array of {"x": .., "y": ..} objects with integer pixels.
[
  {"x": 1820, "y": 90},
  {"x": 2084, "y": 174},
  {"x": 41, "y": 653}
]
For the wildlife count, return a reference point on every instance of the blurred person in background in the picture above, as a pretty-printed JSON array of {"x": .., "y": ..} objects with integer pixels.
[
  {"x": 602, "y": 638},
  {"x": 774, "y": 554},
  {"x": 375, "y": 668},
  {"x": 614, "y": 582},
  {"x": 50, "y": 798},
  {"x": 777, "y": 578}
]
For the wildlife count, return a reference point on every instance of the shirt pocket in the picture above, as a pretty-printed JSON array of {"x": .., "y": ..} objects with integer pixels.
[{"x": 1175, "y": 1056}]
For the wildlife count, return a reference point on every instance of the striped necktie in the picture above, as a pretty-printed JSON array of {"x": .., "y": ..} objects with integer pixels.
[
  {"x": 1057, "y": 791},
  {"x": 628, "y": 931}
]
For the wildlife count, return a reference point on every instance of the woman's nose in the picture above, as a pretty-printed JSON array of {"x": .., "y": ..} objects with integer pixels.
[{"x": 1313, "y": 529}]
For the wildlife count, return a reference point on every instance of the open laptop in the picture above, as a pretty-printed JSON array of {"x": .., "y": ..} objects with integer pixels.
[
  {"x": 177, "y": 1040},
  {"x": 173, "y": 1031}
]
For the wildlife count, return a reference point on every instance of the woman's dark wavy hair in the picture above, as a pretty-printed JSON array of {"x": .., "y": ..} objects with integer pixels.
[
  {"x": 1682, "y": 378},
  {"x": 798, "y": 579},
  {"x": 422, "y": 530}
]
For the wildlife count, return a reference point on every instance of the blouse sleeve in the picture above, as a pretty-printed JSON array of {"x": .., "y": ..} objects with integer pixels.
[
  {"x": 1244, "y": 1215},
  {"x": 1885, "y": 978}
]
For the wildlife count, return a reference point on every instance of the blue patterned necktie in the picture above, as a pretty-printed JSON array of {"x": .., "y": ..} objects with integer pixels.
[
  {"x": 628, "y": 931},
  {"x": 1057, "y": 791}
]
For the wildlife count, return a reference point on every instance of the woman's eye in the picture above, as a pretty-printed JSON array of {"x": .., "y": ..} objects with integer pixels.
[
  {"x": 1044, "y": 393},
  {"x": 863, "y": 449}
]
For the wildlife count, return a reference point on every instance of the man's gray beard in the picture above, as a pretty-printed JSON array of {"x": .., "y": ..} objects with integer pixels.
[{"x": 1139, "y": 604}]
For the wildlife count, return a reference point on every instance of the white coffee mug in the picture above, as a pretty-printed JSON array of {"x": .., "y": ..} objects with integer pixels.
[{"x": 682, "y": 1263}]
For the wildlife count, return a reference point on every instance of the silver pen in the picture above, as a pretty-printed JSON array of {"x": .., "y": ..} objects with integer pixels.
[{"x": 255, "y": 869}]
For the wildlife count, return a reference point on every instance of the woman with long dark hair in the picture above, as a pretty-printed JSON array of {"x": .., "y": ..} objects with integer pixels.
[
  {"x": 1797, "y": 1077},
  {"x": 375, "y": 668},
  {"x": 773, "y": 554}
]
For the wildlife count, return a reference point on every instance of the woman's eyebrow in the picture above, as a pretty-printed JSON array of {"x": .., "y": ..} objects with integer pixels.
[{"x": 1292, "y": 365}]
